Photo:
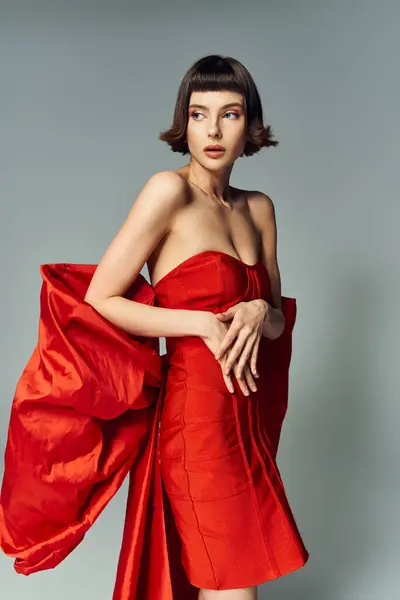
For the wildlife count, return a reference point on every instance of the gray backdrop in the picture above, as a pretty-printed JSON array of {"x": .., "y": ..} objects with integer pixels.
[{"x": 86, "y": 88}]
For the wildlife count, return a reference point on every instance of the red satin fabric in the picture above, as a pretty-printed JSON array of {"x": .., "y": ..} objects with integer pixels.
[{"x": 206, "y": 503}]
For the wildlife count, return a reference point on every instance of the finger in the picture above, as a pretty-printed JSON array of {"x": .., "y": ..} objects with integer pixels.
[
  {"x": 228, "y": 340},
  {"x": 242, "y": 382},
  {"x": 249, "y": 379},
  {"x": 227, "y": 314},
  {"x": 245, "y": 354},
  {"x": 229, "y": 383},
  {"x": 254, "y": 357},
  {"x": 233, "y": 356},
  {"x": 227, "y": 378},
  {"x": 236, "y": 350}
]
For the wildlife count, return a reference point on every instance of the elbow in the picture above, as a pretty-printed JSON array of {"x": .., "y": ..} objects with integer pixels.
[
  {"x": 93, "y": 301},
  {"x": 97, "y": 302}
]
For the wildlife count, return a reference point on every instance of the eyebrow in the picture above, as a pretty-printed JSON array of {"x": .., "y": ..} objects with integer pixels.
[{"x": 224, "y": 106}]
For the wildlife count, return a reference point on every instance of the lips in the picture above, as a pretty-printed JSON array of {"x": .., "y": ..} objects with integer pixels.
[{"x": 216, "y": 148}]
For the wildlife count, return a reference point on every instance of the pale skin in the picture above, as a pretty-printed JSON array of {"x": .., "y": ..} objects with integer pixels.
[{"x": 173, "y": 219}]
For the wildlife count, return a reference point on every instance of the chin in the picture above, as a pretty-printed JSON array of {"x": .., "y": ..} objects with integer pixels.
[{"x": 213, "y": 164}]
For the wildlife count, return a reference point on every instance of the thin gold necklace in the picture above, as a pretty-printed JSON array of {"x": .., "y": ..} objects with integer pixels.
[{"x": 210, "y": 195}]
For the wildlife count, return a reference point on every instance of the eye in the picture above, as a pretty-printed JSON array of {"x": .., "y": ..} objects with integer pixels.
[{"x": 231, "y": 112}]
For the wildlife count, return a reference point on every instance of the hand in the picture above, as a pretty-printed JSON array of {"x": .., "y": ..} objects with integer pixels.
[
  {"x": 244, "y": 333},
  {"x": 213, "y": 339}
]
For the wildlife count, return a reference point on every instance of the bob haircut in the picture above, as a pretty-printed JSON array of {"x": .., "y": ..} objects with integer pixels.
[{"x": 214, "y": 73}]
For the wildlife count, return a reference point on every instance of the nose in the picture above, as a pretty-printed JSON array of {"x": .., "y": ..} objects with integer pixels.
[{"x": 214, "y": 132}]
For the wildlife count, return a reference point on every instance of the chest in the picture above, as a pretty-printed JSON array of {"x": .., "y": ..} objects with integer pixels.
[{"x": 215, "y": 225}]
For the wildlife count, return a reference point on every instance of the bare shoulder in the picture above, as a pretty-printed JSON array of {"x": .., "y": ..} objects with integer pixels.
[
  {"x": 261, "y": 208},
  {"x": 167, "y": 185},
  {"x": 160, "y": 200},
  {"x": 149, "y": 220},
  {"x": 169, "y": 177}
]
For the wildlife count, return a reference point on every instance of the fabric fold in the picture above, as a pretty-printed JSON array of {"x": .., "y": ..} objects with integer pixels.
[
  {"x": 81, "y": 418},
  {"x": 85, "y": 414}
]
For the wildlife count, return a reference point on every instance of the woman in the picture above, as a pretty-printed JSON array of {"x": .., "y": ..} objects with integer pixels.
[
  {"x": 211, "y": 253},
  {"x": 196, "y": 231}
]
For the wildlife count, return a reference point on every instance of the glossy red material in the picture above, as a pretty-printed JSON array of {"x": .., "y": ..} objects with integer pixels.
[{"x": 206, "y": 502}]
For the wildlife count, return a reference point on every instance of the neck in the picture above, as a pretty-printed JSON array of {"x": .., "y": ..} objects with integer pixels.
[{"x": 215, "y": 183}]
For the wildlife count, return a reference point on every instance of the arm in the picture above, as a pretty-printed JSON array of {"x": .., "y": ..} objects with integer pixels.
[
  {"x": 263, "y": 212},
  {"x": 148, "y": 221}
]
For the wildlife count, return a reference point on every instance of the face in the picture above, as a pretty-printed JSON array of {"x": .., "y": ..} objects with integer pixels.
[{"x": 216, "y": 117}]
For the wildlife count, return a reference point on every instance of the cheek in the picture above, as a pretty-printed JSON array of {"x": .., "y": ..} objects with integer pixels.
[
  {"x": 195, "y": 137},
  {"x": 237, "y": 130},
  {"x": 240, "y": 137},
  {"x": 192, "y": 131}
]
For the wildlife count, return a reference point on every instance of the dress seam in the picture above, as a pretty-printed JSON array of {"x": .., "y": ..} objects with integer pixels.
[
  {"x": 255, "y": 446},
  {"x": 204, "y": 458},
  {"x": 261, "y": 434},
  {"x": 266, "y": 449},
  {"x": 235, "y": 492},
  {"x": 188, "y": 481},
  {"x": 267, "y": 546},
  {"x": 279, "y": 503}
]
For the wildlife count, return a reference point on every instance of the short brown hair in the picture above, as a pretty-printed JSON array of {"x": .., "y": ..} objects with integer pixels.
[{"x": 211, "y": 73}]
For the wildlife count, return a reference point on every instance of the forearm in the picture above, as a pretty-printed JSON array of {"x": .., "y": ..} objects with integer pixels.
[
  {"x": 274, "y": 323},
  {"x": 140, "y": 319}
]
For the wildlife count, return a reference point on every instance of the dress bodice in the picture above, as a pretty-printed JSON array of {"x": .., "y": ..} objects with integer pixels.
[{"x": 212, "y": 280}]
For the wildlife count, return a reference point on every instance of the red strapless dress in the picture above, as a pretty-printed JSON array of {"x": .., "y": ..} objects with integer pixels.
[{"x": 206, "y": 503}]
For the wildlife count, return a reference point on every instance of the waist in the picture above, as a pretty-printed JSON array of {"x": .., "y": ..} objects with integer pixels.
[{"x": 185, "y": 344}]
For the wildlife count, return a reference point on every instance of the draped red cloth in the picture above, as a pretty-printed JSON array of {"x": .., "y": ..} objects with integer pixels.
[{"x": 86, "y": 413}]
